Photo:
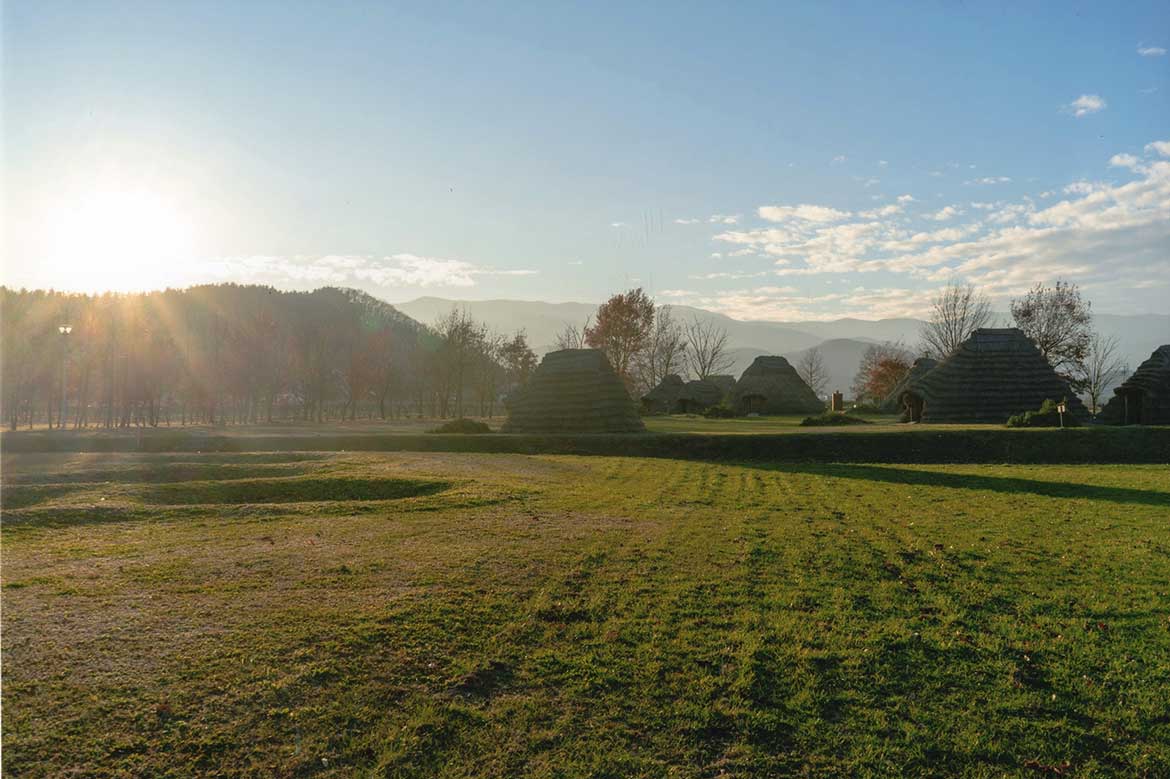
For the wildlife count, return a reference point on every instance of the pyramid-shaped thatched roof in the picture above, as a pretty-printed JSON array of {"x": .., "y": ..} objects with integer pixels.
[
  {"x": 1143, "y": 398},
  {"x": 771, "y": 386},
  {"x": 573, "y": 391},
  {"x": 995, "y": 373},
  {"x": 699, "y": 394},
  {"x": 893, "y": 402},
  {"x": 663, "y": 398}
]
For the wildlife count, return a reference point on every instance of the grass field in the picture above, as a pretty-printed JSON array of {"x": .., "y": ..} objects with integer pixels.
[{"x": 397, "y": 614}]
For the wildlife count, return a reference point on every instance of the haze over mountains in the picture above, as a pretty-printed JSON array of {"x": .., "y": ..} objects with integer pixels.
[{"x": 842, "y": 341}]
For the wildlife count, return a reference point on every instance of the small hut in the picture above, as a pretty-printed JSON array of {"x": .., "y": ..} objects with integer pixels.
[
  {"x": 724, "y": 382},
  {"x": 771, "y": 386},
  {"x": 895, "y": 401},
  {"x": 698, "y": 395},
  {"x": 1143, "y": 398},
  {"x": 995, "y": 373},
  {"x": 663, "y": 399},
  {"x": 573, "y": 391}
]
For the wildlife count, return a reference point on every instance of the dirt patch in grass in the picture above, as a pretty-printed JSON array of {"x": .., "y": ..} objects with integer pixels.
[{"x": 296, "y": 490}]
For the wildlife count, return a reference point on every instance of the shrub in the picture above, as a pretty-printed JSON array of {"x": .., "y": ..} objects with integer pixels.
[
  {"x": 832, "y": 418},
  {"x": 720, "y": 412},
  {"x": 462, "y": 426},
  {"x": 1047, "y": 416},
  {"x": 864, "y": 408}
]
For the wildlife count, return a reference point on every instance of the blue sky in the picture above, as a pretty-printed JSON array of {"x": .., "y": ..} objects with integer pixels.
[{"x": 810, "y": 161}]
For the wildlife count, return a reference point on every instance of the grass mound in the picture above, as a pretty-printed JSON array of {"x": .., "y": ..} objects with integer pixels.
[
  {"x": 462, "y": 427},
  {"x": 289, "y": 490},
  {"x": 832, "y": 419}
]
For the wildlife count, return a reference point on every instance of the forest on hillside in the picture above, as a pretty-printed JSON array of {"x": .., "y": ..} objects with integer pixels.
[{"x": 233, "y": 354}]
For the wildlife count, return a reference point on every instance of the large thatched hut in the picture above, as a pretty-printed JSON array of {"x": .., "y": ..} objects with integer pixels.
[
  {"x": 663, "y": 399},
  {"x": 1143, "y": 398},
  {"x": 895, "y": 401},
  {"x": 995, "y": 373},
  {"x": 573, "y": 391},
  {"x": 698, "y": 395},
  {"x": 771, "y": 386}
]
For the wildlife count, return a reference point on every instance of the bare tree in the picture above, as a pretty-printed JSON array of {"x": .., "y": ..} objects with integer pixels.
[
  {"x": 957, "y": 311},
  {"x": 882, "y": 367},
  {"x": 1058, "y": 320},
  {"x": 573, "y": 337},
  {"x": 811, "y": 368},
  {"x": 706, "y": 344},
  {"x": 1100, "y": 369},
  {"x": 665, "y": 351}
]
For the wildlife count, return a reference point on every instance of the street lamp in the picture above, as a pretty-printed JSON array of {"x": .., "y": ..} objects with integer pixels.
[{"x": 64, "y": 330}]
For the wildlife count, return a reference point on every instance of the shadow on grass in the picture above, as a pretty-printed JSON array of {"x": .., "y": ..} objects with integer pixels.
[{"x": 965, "y": 481}]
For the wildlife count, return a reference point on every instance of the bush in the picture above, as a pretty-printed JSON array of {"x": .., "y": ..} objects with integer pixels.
[
  {"x": 1047, "y": 416},
  {"x": 864, "y": 408},
  {"x": 832, "y": 418},
  {"x": 720, "y": 412},
  {"x": 462, "y": 426}
]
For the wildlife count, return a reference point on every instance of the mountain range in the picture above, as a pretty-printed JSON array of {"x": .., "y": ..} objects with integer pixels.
[{"x": 841, "y": 341}]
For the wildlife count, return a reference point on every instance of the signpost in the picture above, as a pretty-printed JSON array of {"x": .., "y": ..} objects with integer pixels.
[{"x": 1060, "y": 408}]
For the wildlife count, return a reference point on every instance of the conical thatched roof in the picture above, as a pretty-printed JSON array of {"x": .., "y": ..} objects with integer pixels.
[
  {"x": 1143, "y": 398},
  {"x": 699, "y": 394},
  {"x": 771, "y": 386},
  {"x": 995, "y": 373},
  {"x": 893, "y": 402},
  {"x": 663, "y": 398},
  {"x": 573, "y": 391}
]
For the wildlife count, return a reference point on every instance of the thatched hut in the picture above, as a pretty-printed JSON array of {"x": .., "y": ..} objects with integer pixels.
[
  {"x": 895, "y": 401},
  {"x": 995, "y": 373},
  {"x": 1143, "y": 398},
  {"x": 573, "y": 391},
  {"x": 698, "y": 395},
  {"x": 771, "y": 386},
  {"x": 723, "y": 381},
  {"x": 663, "y": 399}
]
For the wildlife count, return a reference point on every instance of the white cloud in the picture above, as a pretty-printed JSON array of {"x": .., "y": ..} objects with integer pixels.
[
  {"x": 840, "y": 158},
  {"x": 805, "y": 213},
  {"x": 398, "y": 270},
  {"x": 686, "y": 221},
  {"x": 1151, "y": 51},
  {"x": 1125, "y": 161},
  {"x": 725, "y": 219},
  {"x": 1162, "y": 148},
  {"x": 617, "y": 224},
  {"x": 991, "y": 180},
  {"x": 905, "y": 198},
  {"x": 728, "y": 275},
  {"x": 887, "y": 210},
  {"x": 1086, "y": 104},
  {"x": 944, "y": 214},
  {"x": 883, "y": 163},
  {"x": 1083, "y": 187}
]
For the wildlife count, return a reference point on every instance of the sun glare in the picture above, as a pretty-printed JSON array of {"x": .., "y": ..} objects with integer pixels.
[{"x": 121, "y": 239}]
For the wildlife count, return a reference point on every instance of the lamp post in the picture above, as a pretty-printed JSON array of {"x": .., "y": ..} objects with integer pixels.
[{"x": 64, "y": 330}]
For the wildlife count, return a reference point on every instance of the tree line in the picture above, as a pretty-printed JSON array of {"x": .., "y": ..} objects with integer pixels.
[
  {"x": 1056, "y": 318},
  {"x": 238, "y": 354}
]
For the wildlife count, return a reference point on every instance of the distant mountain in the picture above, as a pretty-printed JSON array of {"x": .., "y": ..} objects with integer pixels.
[
  {"x": 841, "y": 357},
  {"x": 842, "y": 341}
]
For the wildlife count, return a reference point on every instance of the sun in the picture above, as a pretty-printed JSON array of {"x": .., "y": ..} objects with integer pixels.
[{"x": 121, "y": 239}]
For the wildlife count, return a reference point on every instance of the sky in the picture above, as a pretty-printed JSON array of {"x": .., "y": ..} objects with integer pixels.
[{"x": 769, "y": 161}]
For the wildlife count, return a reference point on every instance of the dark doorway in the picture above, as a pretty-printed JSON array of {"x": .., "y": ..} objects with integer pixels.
[
  {"x": 1133, "y": 407},
  {"x": 912, "y": 407}
]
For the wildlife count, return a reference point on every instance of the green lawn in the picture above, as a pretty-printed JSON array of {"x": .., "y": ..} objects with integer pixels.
[{"x": 414, "y": 614}]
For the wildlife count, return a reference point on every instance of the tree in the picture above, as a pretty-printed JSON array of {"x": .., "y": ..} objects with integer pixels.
[
  {"x": 573, "y": 337},
  {"x": 665, "y": 350},
  {"x": 957, "y": 311},
  {"x": 706, "y": 345},
  {"x": 622, "y": 329},
  {"x": 811, "y": 368},
  {"x": 518, "y": 359},
  {"x": 1100, "y": 369},
  {"x": 882, "y": 367},
  {"x": 1058, "y": 321}
]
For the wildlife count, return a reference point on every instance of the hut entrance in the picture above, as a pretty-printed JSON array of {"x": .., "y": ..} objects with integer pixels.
[
  {"x": 913, "y": 406},
  {"x": 753, "y": 404},
  {"x": 1133, "y": 408}
]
